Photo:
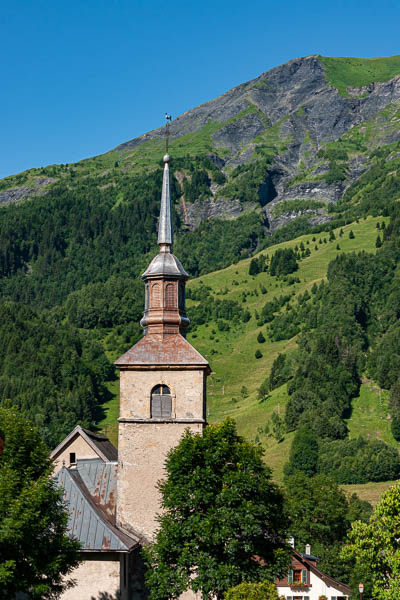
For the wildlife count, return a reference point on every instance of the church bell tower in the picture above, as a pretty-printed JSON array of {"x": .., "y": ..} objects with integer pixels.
[{"x": 162, "y": 384}]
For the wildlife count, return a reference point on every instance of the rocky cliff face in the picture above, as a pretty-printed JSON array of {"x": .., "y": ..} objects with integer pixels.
[
  {"x": 288, "y": 121},
  {"x": 292, "y": 112}
]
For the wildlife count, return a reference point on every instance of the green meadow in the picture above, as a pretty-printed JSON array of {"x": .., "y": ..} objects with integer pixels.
[{"x": 237, "y": 373}]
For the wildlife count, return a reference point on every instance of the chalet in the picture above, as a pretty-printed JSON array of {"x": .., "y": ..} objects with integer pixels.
[{"x": 305, "y": 581}]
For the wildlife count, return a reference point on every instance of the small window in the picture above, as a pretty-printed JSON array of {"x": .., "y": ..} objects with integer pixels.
[
  {"x": 72, "y": 458},
  {"x": 161, "y": 402}
]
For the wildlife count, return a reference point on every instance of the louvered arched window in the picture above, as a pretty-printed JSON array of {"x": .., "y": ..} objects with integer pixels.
[
  {"x": 155, "y": 295},
  {"x": 161, "y": 402},
  {"x": 170, "y": 300}
]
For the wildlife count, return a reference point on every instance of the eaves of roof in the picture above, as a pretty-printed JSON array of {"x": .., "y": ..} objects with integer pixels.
[{"x": 155, "y": 350}]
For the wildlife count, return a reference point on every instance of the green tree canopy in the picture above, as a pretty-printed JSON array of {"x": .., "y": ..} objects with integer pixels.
[
  {"x": 375, "y": 550},
  {"x": 221, "y": 512},
  {"x": 321, "y": 515},
  {"x": 35, "y": 551},
  {"x": 303, "y": 453},
  {"x": 283, "y": 262}
]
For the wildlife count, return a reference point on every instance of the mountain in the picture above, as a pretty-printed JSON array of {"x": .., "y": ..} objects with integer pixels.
[
  {"x": 299, "y": 134},
  {"x": 292, "y": 161}
]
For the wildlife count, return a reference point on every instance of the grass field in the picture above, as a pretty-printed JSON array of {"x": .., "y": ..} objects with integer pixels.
[
  {"x": 342, "y": 72},
  {"x": 371, "y": 492},
  {"x": 232, "y": 353}
]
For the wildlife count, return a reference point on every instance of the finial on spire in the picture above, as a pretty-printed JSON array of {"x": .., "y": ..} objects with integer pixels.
[
  {"x": 168, "y": 118},
  {"x": 165, "y": 233}
]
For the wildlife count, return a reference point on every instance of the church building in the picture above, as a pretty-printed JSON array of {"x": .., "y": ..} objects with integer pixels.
[{"x": 112, "y": 496}]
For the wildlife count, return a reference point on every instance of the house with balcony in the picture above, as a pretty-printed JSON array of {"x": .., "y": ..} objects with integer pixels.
[{"x": 305, "y": 581}]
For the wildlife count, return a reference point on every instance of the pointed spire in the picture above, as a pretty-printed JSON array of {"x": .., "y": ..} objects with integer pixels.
[{"x": 165, "y": 232}]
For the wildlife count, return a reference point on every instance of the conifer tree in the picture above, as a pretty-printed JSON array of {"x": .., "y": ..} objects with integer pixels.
[{"x": 260, "y": 338}]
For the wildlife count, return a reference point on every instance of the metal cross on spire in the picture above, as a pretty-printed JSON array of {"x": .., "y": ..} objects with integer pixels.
[{"x": 168, "y": 118}]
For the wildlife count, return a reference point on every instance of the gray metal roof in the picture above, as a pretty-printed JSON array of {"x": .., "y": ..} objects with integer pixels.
[
  {"x": 165, "y": 233},
  {"x": 103, "y": 444},
  {"x": 100, "y": 480},
  {"x": 165, "y": 263},
  {"x": 89, "y": 520}
]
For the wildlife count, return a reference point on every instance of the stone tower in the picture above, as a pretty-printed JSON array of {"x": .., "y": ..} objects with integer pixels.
[{"x": 162, "y": 386}]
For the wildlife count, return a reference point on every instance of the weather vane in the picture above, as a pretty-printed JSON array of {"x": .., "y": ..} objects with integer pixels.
[{"x": 168, "y": 118}]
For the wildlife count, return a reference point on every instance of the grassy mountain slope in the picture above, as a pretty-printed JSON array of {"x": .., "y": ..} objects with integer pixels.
[
  {"x": 313, "y": 141},
  {"x": 359, "y": 72},
  {"x": 232, "y": 353}
]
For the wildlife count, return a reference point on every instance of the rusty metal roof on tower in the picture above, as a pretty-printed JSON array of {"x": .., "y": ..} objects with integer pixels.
[{"x": 157, "y": 350}]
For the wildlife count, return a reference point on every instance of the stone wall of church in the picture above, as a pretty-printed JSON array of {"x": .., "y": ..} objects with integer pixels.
[
  {"x": 142, "y": 450},
  {"x": 187, "y": 388},
  {"x": 143, "y": 443},
  {"x": 97, "y": 575}
]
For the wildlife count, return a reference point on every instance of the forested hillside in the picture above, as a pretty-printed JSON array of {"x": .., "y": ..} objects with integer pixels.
[{"x": 311, "y": 149}]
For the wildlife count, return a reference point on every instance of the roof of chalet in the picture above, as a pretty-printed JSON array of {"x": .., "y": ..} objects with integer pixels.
[
  {"x": 309, "y": 561},
  {"x": 169, "y": 350},
  {"x": 97, "y": 441},
  {"x": 90, "y": 494}
]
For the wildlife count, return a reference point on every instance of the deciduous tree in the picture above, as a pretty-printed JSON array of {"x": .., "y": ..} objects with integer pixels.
[
  {"x": 221, "y": 512},
  {"x": 36, "y": 552},
  {"x": 375, "y": 548}
]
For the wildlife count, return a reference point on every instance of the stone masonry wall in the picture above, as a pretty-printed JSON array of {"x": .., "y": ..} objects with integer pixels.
[{"x": 143, "y": 446}]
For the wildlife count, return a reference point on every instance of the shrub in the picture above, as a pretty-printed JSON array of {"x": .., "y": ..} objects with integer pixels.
[{"x": 253, "y": 591}]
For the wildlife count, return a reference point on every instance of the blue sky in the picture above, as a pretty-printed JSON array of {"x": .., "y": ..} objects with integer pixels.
[{"x": 78, "y": 78}]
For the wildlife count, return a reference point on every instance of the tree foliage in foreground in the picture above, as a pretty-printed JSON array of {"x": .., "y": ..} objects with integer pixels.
[
  {"x": 35, "y": 551},
  {"x": 253, "y": 591},
  {"x": 222, "y": 511},
  {"x": 374, "y": 547},
  {"x": 321, "y": 515}
]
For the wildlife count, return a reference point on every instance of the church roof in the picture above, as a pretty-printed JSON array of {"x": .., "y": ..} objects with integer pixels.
[
  {"x": 90, "y": 495},
  {"x": 157, "y": 350},
  {"x": 97, "y": 441}
]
